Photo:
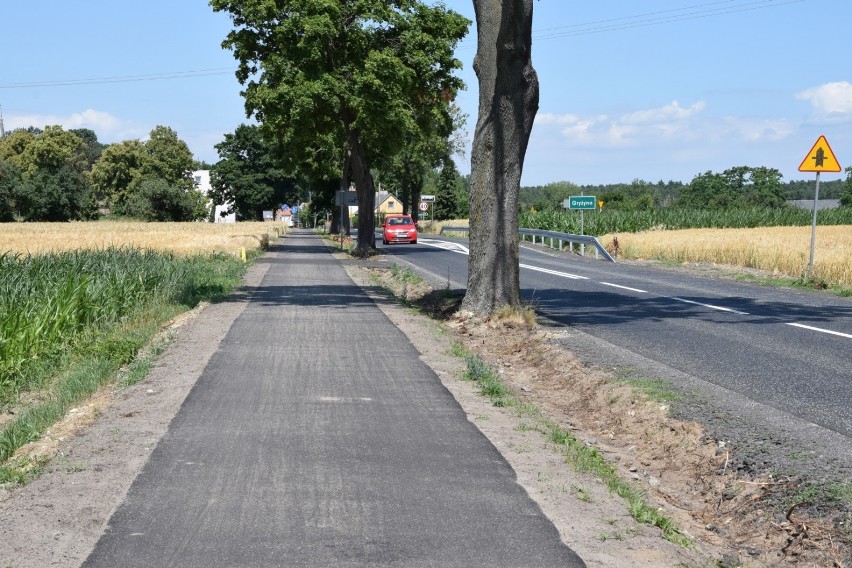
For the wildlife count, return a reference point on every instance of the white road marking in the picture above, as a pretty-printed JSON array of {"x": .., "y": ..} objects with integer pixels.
[
  {"x": 712, "y": 307},
  {"x": 803, "y": 326},
  {"x": 445, "y": 245},
  {"x": 553, "y": 272},
  {"x": 455, "y": 247},
  {"x": 624, "y": 287}
]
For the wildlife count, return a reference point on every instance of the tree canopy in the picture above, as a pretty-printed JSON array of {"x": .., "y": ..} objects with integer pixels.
[
  {"x": 344, "y": 82},
  {"x": 58, "y": 175},
  {"x": 248, "y": 176},
  {"x": 113, "y": 174},
  {"x": 846, "y": 193},
  {"x": 735, "y": 187}
]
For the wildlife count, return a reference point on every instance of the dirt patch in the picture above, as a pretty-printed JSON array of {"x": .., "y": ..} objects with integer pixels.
[{"x": 737, "y": 515}]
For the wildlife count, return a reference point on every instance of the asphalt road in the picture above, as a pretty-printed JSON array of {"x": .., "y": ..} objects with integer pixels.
[
  {"x": 317, "y": 437},
  {"x": 787, "y": 349}
]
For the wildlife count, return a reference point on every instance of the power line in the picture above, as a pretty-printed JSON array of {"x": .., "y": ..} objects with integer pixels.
[
  {"x": 700, "y": 14},
  {"x": 121, "y": 79},
  {"x": 684, "y": 9},
  {"x": 698, "y": 11}
]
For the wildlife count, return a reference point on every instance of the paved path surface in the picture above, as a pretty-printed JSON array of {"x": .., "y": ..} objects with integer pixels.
[{"x": 316, "y": 437}]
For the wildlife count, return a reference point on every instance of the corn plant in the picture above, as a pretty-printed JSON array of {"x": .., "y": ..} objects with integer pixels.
[
  {"x": 619, "y": 221},
  {"x": 53, "y": 302}
]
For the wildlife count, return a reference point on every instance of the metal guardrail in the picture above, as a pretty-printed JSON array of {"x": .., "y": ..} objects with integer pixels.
[{"x": 561, "y": 238}]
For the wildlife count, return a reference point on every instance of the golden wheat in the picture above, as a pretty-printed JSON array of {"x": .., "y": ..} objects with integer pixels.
[
  {"x": 780, "y": 250},
  {"x": 178, "y": 238},
  {"x": 434, "y": 227}
]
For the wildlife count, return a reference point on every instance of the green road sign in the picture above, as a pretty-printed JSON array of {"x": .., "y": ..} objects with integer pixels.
[{"x": 580, "y": 202}]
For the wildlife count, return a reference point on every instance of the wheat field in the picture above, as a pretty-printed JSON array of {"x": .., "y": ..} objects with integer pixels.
[
  {"x": 177, "y": 238},
  {"x": 784, "y": 251}
]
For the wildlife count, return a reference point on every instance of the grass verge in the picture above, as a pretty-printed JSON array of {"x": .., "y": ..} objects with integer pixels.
[
  {"x": 120, "y": 353},
  {"x": 578, "y": 454}
]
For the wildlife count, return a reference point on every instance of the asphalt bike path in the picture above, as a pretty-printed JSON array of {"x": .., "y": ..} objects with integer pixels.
[{"x": 316, "y": 437}]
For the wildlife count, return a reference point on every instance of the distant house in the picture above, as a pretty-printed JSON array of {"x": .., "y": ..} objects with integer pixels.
[
  {"x": 285, "y": 215},
  {"x": 386, "y": 203},
  {"x": 202, "y": 184}
]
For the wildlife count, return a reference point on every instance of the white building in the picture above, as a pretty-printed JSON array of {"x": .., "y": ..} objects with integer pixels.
[{"x": 202, "y": 183}]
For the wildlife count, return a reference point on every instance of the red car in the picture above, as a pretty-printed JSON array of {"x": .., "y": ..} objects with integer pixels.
[{"x": 399, "y": 229}]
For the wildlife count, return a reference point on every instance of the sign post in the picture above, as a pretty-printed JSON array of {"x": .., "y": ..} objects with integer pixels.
[
  {"x": 819, "y": 159},
  {"x": 583, "y": 203},
  {"x": 344, "y": 199}
]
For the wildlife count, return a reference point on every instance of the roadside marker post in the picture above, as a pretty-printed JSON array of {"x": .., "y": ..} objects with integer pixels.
[{"x": 820, "y": 159}]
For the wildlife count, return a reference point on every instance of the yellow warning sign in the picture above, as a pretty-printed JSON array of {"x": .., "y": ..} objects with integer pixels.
[{"x": 820, "y": 158}]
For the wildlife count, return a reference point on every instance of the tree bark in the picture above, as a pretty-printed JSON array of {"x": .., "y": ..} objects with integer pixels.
[
  {"x": 508, "y": 102},
  {"x": 366, "y": 196}
]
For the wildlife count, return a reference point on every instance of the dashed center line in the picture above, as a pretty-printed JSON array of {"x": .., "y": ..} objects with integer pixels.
[
  {"x": 454, "y": 247},
  {"x": 553, "y": 272},
  {"x": 625, "y": 287},
  {"x": 821, "y": 330},
  {"x": 711, "y": 306}
]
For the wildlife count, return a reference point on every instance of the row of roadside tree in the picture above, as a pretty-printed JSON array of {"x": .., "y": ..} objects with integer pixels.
[{"x": 61, "y": 175}]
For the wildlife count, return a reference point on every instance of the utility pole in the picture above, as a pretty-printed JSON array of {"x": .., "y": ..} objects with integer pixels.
[{"x": 2, "y": 130}]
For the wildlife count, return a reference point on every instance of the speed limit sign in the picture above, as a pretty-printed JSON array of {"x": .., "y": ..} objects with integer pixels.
[{"x": 424, "y": 206}]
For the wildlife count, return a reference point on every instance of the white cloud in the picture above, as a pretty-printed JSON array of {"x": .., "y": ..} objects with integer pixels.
[
  {"x": 669, "y": 121},
  {"x": 108, "y": 127},
  {"x": 751, "y": 130},
  {"x": 829, "y": 99},
  {"x": 668, "y": 124},
  {"x": 670, "y": 114}
]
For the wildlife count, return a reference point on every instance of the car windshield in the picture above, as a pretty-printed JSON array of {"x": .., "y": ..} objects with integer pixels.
[{"x": 399, "y": 221}]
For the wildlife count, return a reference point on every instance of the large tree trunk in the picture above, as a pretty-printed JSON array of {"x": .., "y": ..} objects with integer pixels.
[
  {"x": 508, "y": 101},
  {"x": 366, "y": 196}
]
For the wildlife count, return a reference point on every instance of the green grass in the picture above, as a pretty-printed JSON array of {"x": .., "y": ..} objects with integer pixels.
[
  {"x": 581, "y": 456},
  {"x": 658, "y": 390},
  {"x": 404, "y": 275},
  {"x": 803, "y": 282},
  {"x": 823, "y": 494},
  {"x": 581, "y": 494},
  {"x": 20, "y": 472},
  {"x": 69, "y": 322},
  {"x": 488, "y": 381},
  {"x": 50, "y": 304}
]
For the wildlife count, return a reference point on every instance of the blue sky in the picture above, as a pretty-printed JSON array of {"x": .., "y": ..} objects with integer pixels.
[{"x": 654, "y": 90}]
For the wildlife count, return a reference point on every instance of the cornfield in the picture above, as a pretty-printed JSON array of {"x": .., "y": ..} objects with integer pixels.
[
  {"x": 615, "y": 221},
  {"x": 55, "y": 302}
]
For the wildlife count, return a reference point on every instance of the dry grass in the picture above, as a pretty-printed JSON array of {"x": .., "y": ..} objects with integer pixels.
[
  {"x": 178, "y": 238},
  {"x": 434, "y": 227},
  {"x": 780, "y": 250},
  {"x": 521, "y": 316}
]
